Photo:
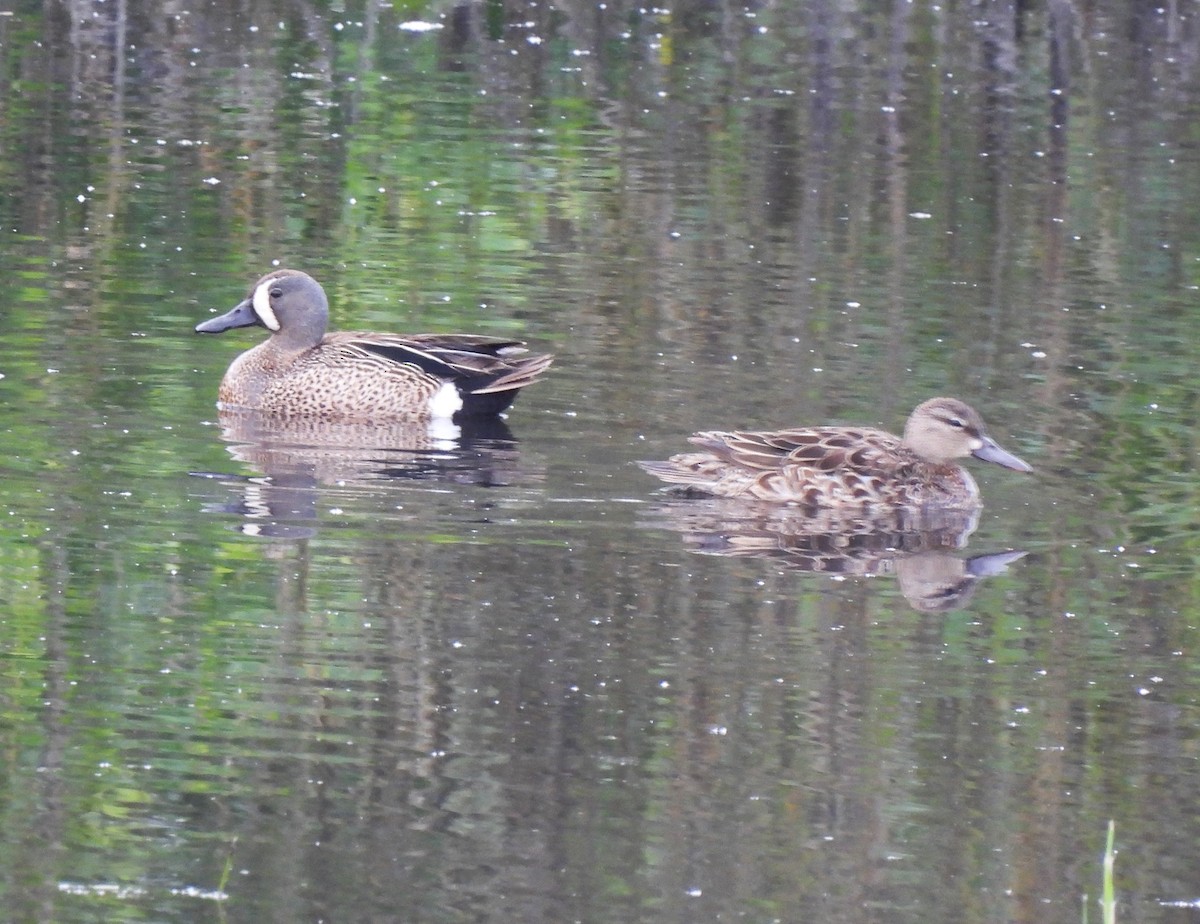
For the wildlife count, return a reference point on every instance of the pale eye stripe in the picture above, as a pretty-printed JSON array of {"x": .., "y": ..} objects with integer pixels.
[{"x": 262, "y": 306}]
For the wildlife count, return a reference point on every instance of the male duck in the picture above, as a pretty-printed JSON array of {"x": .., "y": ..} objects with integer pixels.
[
  {"x": 846, "y": 466},
  {"x": 301, "y": 371}
]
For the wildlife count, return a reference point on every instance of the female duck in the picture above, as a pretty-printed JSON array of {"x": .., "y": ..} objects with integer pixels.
[
  {"x": 846, "y": 466},
  {"x": 301, "y": 371}
]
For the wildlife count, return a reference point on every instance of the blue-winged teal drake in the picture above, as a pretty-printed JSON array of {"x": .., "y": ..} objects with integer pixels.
[
  {"x": 846, "y": 466},
  {"x": 301, "y": 371}
]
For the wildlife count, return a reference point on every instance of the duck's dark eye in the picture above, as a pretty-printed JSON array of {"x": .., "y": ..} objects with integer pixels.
[
  {"x": 276, "y": 292},
  {"x": 955, "y": 422}
]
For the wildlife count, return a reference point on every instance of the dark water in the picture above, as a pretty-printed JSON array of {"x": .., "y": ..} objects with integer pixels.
[{"x": 304, "y": 677}]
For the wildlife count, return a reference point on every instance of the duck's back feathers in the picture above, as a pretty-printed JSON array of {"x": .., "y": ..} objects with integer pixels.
[
  {"x": 815, "y": 467},
  {"x": 822, "y": 448}
]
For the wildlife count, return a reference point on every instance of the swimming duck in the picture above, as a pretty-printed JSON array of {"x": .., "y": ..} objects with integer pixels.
[
  {"x": 845, "y": 466},
  {"x": 303, "y": 371}
]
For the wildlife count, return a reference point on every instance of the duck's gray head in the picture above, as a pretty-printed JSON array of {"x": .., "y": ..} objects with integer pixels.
[
  {"x": 289, "y": 303},
  {"x": 944, "y": 429}
]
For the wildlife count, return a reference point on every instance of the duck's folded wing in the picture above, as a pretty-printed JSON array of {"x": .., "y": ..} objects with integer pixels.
[{"x": 482, "y": 365}]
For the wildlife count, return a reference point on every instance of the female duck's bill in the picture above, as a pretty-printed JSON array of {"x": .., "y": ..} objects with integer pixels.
[{"x": 991, "y": 451}]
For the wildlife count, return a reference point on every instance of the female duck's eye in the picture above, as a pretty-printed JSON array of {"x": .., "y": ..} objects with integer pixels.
[
  {"x": 276, "y": 292},
  {"x": 956, "y": 423}
]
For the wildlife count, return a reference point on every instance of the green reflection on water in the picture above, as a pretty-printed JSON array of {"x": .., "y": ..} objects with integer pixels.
[{"x": 514, "y": 697}]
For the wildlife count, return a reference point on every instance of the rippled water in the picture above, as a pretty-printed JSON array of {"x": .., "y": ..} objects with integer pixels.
[{"x": 318, "y": 676}]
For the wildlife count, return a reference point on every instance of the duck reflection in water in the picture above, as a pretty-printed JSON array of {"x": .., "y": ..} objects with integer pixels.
[
  {"x": 846, "y": 500},
  {"x": 299, "y": 458},
  {"x": 923, "y": 552}
]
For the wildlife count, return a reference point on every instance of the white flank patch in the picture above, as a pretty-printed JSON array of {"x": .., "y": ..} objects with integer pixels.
[
  {"x": 262, "y": 306},
  {"x": 446, "y": 401}
]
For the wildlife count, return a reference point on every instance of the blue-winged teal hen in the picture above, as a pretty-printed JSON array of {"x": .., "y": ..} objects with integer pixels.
[
  {"x": 301, "y": 371},
  {"x": 845, "y": 466}
]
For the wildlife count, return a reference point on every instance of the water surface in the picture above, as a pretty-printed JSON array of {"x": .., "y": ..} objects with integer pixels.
[{"x": 504, "y": 678}]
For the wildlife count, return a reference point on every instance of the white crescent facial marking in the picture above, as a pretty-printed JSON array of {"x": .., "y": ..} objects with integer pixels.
[
  {"x": 262, "y": 306},
  {"x": 446, "y": 401}
]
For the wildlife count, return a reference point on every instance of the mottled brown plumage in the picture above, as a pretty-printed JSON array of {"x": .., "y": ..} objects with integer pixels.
[
  {"x": 845, "y": 466},
  {"x": 302, "y": 371}
]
